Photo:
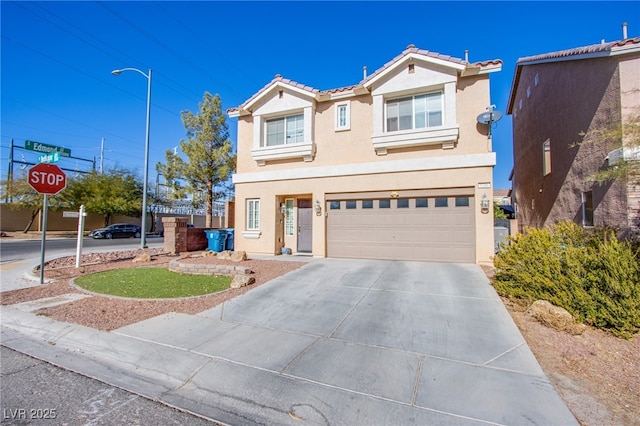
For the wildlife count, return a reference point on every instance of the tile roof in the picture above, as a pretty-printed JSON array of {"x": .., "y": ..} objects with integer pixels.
[
  {"x": 577, "y": 51},
  {"x": 312, "y": 91},
  {"x": 594, "y": 50}
]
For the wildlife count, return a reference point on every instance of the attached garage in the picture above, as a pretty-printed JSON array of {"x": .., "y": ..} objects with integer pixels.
[{"x": 437, "y": 226}]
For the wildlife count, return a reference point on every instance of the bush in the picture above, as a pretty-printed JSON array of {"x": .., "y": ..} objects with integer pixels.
[{"x": 587, "y": 272}]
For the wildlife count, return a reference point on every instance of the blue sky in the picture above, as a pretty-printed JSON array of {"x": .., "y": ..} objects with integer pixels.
[{"x": 57, "y": 58}]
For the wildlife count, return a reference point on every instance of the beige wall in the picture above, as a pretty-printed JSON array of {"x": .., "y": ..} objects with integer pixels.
[
  {"x": 272, "y": 193},
  {"x": 346, "y": 161},
  {"x": 17, "y": 220},
  {"x": 354, "y": 145}
]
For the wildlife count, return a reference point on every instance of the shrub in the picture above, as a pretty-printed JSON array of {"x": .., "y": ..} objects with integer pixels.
[{"x": 587, "y": 272}]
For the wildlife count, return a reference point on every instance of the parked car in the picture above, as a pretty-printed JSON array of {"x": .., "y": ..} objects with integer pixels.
[{"x": 117, "y": 230}]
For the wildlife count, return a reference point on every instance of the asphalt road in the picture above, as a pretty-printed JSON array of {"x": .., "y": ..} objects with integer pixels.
[
  {"x": 18, "y": 250},
  {"x": 36, "y": 392}
]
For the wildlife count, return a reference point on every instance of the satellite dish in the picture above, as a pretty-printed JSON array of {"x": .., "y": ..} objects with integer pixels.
[{"x": 489, "y": 117}]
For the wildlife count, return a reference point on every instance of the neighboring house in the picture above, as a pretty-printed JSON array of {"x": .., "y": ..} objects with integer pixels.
[
  {"x": 395, "y": 167},
  {"x": 502, "y": 197},
  {"x": 563, "y": 106}
]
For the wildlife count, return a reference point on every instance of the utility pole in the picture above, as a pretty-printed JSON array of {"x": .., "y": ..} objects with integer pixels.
[
  {"x": 9, "y": 196},
  {"x": 101, "y": 156}
]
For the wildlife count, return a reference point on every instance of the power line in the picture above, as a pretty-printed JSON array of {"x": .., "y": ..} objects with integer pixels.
[{"x": 168, "y": 48}]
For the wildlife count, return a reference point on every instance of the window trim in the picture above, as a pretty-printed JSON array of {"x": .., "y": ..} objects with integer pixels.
[
  {"x": 285, "y": 133},
  {"x": 588, "y": 213},
  {"x": 546, "y": 157},
  {"x": 413, "y": 97},
  {"x": 253, "y": 214},
  {"x": 338, "y": 127},
  {"x": 289, "y": 224}
]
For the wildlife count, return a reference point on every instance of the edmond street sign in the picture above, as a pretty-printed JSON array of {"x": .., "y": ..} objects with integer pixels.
[{"x": 46, "y": 149}]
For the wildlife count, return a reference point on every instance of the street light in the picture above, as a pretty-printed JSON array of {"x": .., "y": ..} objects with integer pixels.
[{"x": 143, "y": 236}]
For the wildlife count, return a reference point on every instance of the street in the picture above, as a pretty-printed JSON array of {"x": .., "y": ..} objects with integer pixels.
[
  {"x": 12, "y": 250},
  {"x": 36, "y": 392}
]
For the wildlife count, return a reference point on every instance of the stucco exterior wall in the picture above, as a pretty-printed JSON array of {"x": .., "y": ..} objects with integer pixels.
[
  {"x": 571, "y": 105},
  {"x": 316, "y": 189}
]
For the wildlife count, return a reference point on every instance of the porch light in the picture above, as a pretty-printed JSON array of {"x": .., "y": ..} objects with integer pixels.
[
  {"x": 484, "y": 204},
  {"x": 317, "y": 208}
]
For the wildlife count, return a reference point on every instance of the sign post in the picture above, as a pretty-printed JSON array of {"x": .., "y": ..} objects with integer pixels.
[
  {"x": 46, "y": 179},
  {"x": 81, "y": 216}
]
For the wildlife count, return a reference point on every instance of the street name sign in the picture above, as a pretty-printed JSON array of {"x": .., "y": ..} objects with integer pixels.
[
  {"x": 47, "y": 179},
  {"x": 45, "y": 148},
  {"x": 49, "y": 158}
]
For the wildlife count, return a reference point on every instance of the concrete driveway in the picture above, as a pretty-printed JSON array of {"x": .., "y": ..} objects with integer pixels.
[
  {"x": 360, "y": 342},
  {"x": 338, "y": 341}
]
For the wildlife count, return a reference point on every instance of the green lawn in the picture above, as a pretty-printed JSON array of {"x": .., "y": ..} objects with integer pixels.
[{"x": 152, "y": 283}]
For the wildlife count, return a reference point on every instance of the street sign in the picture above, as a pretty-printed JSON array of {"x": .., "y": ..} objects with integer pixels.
[
  {"x": 45, "y": 148},
  {"x": 49, "y": 158},
  {"x": 47, "y": 178},
  {"x": 71, "y": 214}
]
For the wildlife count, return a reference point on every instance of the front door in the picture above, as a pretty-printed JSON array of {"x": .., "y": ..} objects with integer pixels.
[{"x": 305, "y": 219}]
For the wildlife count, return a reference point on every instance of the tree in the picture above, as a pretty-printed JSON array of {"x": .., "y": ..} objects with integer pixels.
[
  {"x": 626, "y": 137},
  {"x": 115, "y": 192},
  {"x": 210, "y": 160},
  {"x": 23, "y": 196}
]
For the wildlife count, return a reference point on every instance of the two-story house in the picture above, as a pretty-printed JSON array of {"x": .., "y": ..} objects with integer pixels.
[
  {"x": 394, "y": 167},
  {"x": 572, "y": 112}
]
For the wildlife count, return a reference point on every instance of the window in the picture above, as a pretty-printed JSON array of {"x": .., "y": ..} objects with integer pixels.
[
  {"x": 334, "y": 205},
  {"x": 367, "y": 204},
  {"x": 285, "y": 130},
  {"x": 288, "y": 219},
  {"x": 414, "y": 112},
  {"x": 349, "y": 205},
  {"x": 343, "y": 119},
  {"x": 536, "y": 80},
  {"x": 384, "y": 204},
  {"x": 462, "y": 201},
  {"x": 422, "y": 202},
  {"x": 253, "y": 215},
  {"x": 442, "y": 202},
  {"x": 546, "y": 157},
  {"x": 403, "y": 203},
  {"x": 587, "y": 208}
]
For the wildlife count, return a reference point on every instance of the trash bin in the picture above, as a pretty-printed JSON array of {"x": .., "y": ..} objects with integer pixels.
[
  {"x": 230, "y": 233},
  {"x": 216, "y": 239}
]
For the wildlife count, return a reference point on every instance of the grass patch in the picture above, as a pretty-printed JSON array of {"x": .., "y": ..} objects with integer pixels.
[{"x": 152, "y": 283}]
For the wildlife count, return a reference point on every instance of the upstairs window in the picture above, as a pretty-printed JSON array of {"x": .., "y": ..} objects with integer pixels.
[
  {"x": 546, "y": 157},
  {"x": 343, "y": 119},
  {"x": 414, "y": 112},
  {"x": 285, "y": 130}
]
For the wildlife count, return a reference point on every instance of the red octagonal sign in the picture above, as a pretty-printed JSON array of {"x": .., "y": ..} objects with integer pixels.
[{"x": 47, "y": 178}]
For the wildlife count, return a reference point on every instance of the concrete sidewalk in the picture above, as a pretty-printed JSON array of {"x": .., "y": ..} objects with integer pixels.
[{"x": 338, "y": 341}]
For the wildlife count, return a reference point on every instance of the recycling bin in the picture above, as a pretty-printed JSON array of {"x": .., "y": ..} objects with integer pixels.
[
  {"x": 229, "y": 244},
  {"x": 216, "y": 239}
]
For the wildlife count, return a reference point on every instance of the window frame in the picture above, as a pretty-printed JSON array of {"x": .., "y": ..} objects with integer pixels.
[
  {"x": 546, "y": 157},
  {"x": 253, "y": 214},
  {"x": 588, "y": 213},
  {"x": 297, "y": 122},
  {"x": 289, "y": 225},
  {"x": 338, "y": 124},
  {"x": 426, "y": 95}
]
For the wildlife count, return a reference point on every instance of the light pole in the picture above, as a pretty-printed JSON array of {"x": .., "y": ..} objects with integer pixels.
[{"x": 145, "y": 181}]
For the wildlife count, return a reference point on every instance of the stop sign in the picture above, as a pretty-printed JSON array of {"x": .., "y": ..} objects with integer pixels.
[{"x": 47, "y": 178}]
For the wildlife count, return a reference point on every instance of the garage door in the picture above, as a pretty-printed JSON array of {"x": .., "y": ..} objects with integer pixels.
[{"x": 438, "y": 228}]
